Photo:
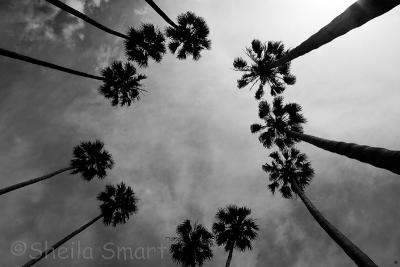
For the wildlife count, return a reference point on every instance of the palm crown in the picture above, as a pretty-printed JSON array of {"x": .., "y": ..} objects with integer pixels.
[
  {"x": 118, "y": 203},
  {"x": 287, "y": 167},
  {"x": 144, "y": 43},
  {"x": 278, "y": 118},
  {"x": 90, "y": 160},
  {"x": 190, "y": 37},
  {"x": 192, "y": 245},
  {"x": 121, "y": 84},
  {"x": 234, "y": 228},
  {"x": 258, "y": 70}
]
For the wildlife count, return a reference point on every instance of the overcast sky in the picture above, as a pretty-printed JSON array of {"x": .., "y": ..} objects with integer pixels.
[{"x": 186, "y": 148}]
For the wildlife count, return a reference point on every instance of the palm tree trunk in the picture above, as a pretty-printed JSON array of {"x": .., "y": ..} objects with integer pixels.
[
  {"x": 376, "y": 156},
  {"x": 82, "y": 16},
  {"x": 32, "y": 181},
  {"x": 228, "y": 260},
  {"x": 62, "y": 241},
  {"x": 161, "y": 13},
  {"x": 359, "y": 257},
  {"x": 14, "y": 55},
  {"x": 354, "y": 16}
]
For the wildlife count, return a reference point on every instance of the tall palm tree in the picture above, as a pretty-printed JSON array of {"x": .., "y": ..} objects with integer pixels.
[
  {"x": 257, "y": 71},
  {"x": 192, "y": 245},
  {"x": 234, "y": 229},
  {"x": 291, "y": 172},
  {"x": 353, "y": 17},
  {"x": 118, "y": 79},
  {"x": 147, "y": 42},
  {"x": 188, "y": 37},
  {"x": 283, "y": 127},
  {"x": 90, "y": 160},
  {"x": 118, "y": 203}
]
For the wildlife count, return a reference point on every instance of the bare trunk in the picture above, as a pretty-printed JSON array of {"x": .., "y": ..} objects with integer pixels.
[
  {"x": 82, "y": 16},
  {"x": 376, "y": 156},
  {"x": 161, "y": 13},
  {"x": 359, "y": 257},
  {"x": 355, "y": 16},
  {"x": 32, "y": 181},
  {"x": 229, "y": 259},
  {"x": 14, "y": 55},
  {"x": 62, "y": 241}
]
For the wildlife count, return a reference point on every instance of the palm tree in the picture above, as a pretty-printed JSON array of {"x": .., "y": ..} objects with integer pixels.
[
  {"x": 121, "y": 84},
  {"x": 118, "y": 203},
  {"x": 144, "y": 43},
  {"x": 353, "y": 17},
  {"x": 147, "y": 42},
  {"x": 90, "y": 161},
  {"x": 188, "y": 37},
  {"x": 192, "y": 245},
  {"x": 117, "y": 80},
  {"x": 234, "y": 229},
  {"x": 291, "y": 172},
  {"x": 257, "y": 71},
  {"x": 283, "y": 127}
]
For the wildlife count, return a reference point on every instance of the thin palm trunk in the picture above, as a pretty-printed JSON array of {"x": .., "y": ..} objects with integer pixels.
[
  {"x": 354, "y": 16},
  {"x": 229, "y": 259},
  {"x": 161, "y": 13},
  {"x": 359, "y": 257},
  {"x": 62, "y": 241},
  {"x": 82, "y": 16},
  {"x": 14, "y": 55},
  {"x": 32, "y": 181},
  {"x": 376, "y": 156}
]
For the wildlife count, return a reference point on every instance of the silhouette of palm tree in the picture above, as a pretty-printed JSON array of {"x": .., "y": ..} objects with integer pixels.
[
  {"x": 291, "y": 172},
  {"x": 283, "y": 127},
  {"x": 90, "y": 160},
  {"x": 353, "y": 17},
  {"x": 140, "y": 45},
  {"x": 188, "y": 37},
  {"x": 151, "y": 44},
  {"x": 192, "y": 245},
  {"x": 120, "y": 83},
  {"x": 257, "y": 71},
  {"x": 234, "y": 229},
  {"x": 118, "y": 203}
]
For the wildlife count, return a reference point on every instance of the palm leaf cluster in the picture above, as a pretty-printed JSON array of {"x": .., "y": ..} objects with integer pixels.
[
  {"x": 121, "y": 84},
  {"x": 257, "y": 71},
  {"x": 190, "y": 37},
  {"x": 118, "y": 203},
  {"x": 285, "y": 167},
  {"x": 277, "y": 118},
  {"x": 144, "y": 43},
  {"x": 91, "y": 160},
  {"x": 234, "y": 229},
  {"x": 192, "y": 246}
]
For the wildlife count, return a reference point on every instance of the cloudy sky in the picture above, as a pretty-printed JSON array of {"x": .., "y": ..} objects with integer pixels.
[{"x": 186, "y": 148}]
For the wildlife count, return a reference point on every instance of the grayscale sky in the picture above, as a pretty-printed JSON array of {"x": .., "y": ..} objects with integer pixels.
[{"x": 186, "y": 147}]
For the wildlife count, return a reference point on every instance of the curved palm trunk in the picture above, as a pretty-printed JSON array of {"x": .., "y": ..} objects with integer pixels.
[
  {"x": 62, "y": 241},
  {"x": 376, "y": 156},
  {"x": 32, "y": 181},
  {"x": 161, "y": 13},
  {"x": 354, "y": 16},
  {"x": 229, "y": 259},
  {"x": 359, "y": 257},
  {"x": 82, "y": 16},
  {"x": 14, "y": 55}
]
